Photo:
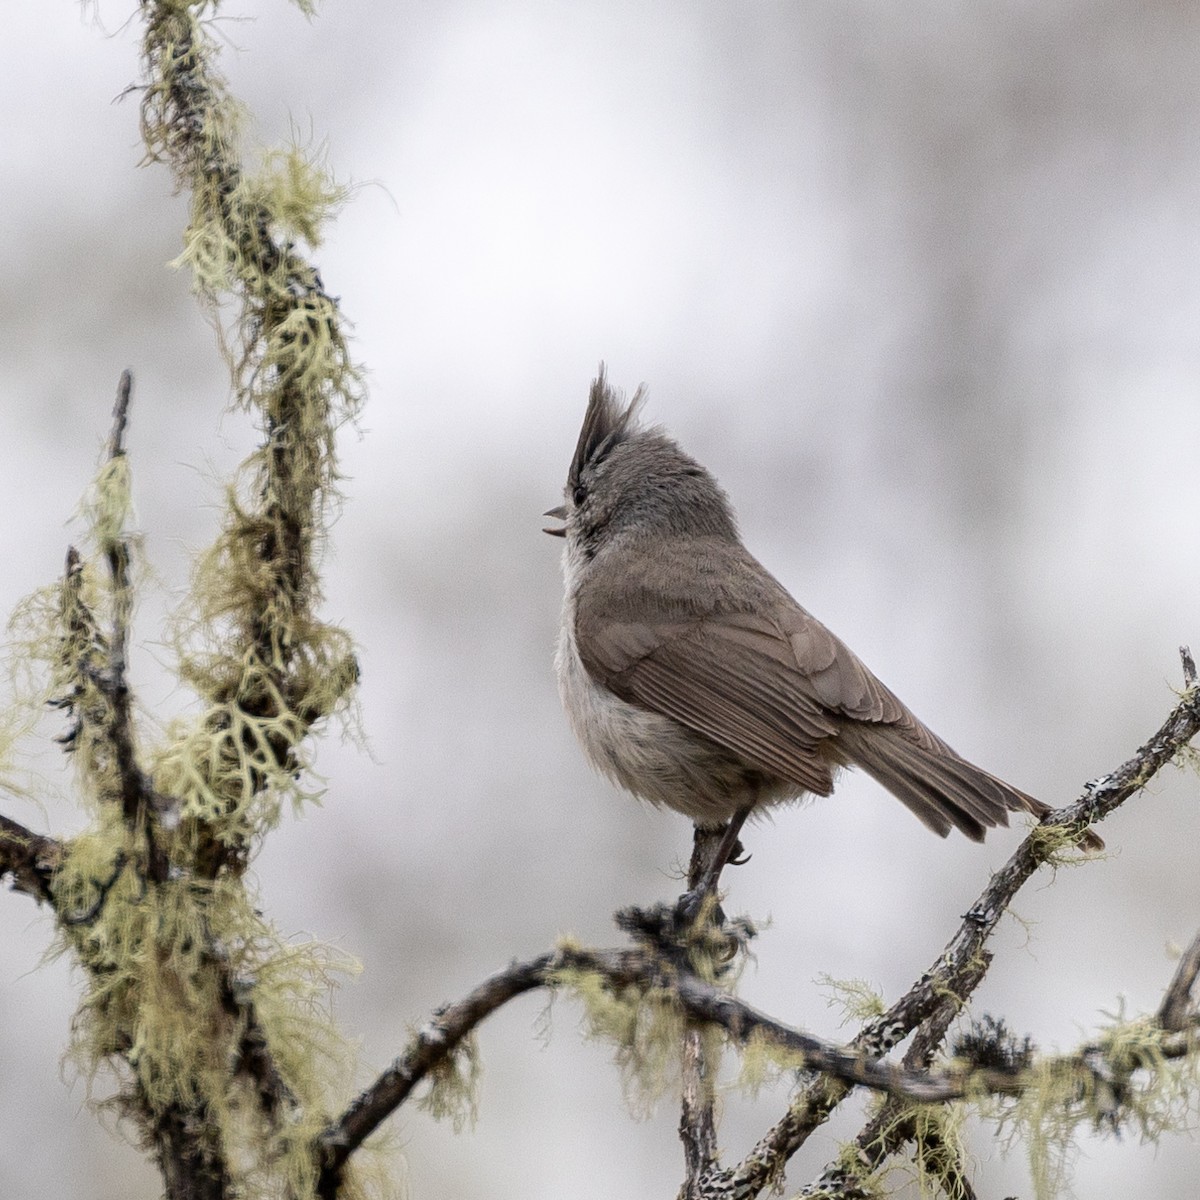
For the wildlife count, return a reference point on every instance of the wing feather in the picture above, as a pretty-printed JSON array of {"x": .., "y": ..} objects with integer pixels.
[{"x": 687, "y": 678}]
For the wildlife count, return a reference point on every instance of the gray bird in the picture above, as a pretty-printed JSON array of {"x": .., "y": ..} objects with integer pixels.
[{"x": 693, "y": 679}]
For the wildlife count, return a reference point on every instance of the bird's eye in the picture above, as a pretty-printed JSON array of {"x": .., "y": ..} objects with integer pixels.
[{"x": 579, "y": 495}]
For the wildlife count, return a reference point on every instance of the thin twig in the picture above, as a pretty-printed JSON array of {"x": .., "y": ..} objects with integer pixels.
[
  {"x": 139, "y": 802},
  {"x": 1189, "y": 666},
  {"x": 436, "y": 1041},
  {"x": 697, "y": 1122},
  {"x": 1173, "y": 1013},
  {"x": 116, "y": 552}
]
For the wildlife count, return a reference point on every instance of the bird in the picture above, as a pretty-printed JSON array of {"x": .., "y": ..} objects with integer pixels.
[{"x": 694, "y": 680}]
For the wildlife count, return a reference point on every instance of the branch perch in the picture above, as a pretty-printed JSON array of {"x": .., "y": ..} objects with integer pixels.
[
  {"x": 28, "y": 860},
  {"x": 833, "y": 1069},
  {"x": 951, "y": 979}
]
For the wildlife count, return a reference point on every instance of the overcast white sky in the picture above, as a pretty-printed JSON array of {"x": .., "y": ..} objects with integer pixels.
[{"x": 918, "y": 282}]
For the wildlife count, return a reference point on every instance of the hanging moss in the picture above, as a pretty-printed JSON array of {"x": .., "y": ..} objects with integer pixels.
[
  {"x": 858, "y": 1000},
  {"x": 644, "y": 1026},
  {"x": 453, "y": 1091}
]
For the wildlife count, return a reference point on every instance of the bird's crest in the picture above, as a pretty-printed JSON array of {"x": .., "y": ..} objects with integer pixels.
[{"x": 607, "y": 423}]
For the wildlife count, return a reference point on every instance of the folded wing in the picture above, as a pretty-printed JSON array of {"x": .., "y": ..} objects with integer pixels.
[{"x": 794, "y": 701}]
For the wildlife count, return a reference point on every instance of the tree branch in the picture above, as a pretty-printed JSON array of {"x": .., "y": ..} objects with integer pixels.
[
  {"x": 930, "y": 1006},
  {"x": 701, "y": 1001},
  {"x": 1173, "y": 1013},
  {"x": 115, "y": 547},
  {"x": 433, "y": 1044},
  {"x": 952, "y": 978},
  {"x": 697, "y": 1122},
  {"x": 28, "y": 859},
  {"x": 139, "y": 802}
]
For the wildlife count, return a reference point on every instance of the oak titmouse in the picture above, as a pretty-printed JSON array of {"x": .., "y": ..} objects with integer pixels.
[{"x": 694, "y": 680}]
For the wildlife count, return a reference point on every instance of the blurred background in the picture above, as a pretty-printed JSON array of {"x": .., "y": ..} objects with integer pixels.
[{"x": 918, "y": 282}]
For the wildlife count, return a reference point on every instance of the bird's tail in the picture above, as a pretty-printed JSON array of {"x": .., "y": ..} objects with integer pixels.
[{"x": 942, "y": 788}]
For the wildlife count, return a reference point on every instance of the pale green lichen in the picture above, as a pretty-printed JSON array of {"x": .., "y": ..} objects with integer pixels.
[
  {"x": 1058, "y": 846},
  {"x": 175, "y": 969},
  {"x": 453, "y": 1086},
  {"x": 644, "y": 1026},
  {"x": 764, "y": 1063},
  {"x": 936, "y": 1162},
  {"x": 296, "y": 186},
  {"x": 249, "y": 642},
  {"x": 186, "y": 981},
  {"x": 1122, "y": 1082},
  {"x": 858, "y": 1000},
  {"x": 109, "y": 503}
]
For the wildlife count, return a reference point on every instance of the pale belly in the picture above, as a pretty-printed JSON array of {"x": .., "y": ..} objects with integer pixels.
[{"x": 655, "y": 757}]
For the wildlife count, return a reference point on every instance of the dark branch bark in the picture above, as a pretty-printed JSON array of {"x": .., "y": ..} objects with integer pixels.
[
  {"x": 193, "y": 1168},
  {"x": 28, "y": 860},
  {"x": 1177, "y": 1011},
  {"x": 436, "y": 1041},
  {"x": 697, "y": 1123}
]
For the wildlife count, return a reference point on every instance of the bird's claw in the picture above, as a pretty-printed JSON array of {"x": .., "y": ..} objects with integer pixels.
[
  {"x": 690, "y": 905},
  {"x": 739, "y": 856}
]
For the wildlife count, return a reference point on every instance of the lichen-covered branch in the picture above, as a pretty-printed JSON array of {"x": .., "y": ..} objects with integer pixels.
[
  {"x": 109, "y": 529},
  {"x": 645, "y": 970},
  {"x": 28, "y": 860},
  {"x": 954, "y": 974},
  {"x": 661, "y": 970},
  {"x": 267, "y": 666},
  {"x": 207, "y": 1016},
  {"x": 660, "y": 979}
]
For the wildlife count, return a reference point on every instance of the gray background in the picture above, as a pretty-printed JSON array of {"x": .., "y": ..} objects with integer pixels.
[{"x": 917, "y": 281}]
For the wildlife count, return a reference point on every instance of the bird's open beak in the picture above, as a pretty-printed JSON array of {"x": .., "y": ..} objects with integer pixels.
[{"x": 559, "y": 514}]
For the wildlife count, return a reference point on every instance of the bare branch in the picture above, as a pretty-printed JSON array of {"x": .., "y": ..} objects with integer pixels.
[
  {"x": 1189, "y": 667},
  {"x": 1173, "y": 1013}
]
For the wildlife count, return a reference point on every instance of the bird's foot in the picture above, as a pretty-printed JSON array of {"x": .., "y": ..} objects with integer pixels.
[
  {"x": 739, "y": 856},
  {"x": 690, "y": 906}
]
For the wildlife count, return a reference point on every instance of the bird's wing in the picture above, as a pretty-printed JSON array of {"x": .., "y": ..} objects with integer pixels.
[
  {"x": 780, "y": 690},
  {"x": 737, "y": 679},
  {"x": 796, "y": 703}
]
